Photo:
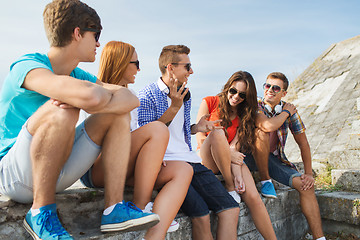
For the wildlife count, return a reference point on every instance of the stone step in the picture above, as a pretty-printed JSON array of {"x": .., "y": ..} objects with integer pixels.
[
  {"x": 340, "y": 212},
  {"x": 340, "y": 206},
  {"x": 80, "y": 211}
]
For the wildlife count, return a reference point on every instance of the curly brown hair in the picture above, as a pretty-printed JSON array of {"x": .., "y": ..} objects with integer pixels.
[
  {"x": 61, "y": 17},
  {"x": 246, "y": 111}
]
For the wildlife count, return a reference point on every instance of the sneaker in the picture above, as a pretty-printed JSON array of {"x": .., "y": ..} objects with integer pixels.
[
  {"x": 235, "y": 196},
  {"x": 46, "y": 224},
  {"x": 268, "y": 190},
  {"x": 174, "y": 224},
  {"x": 126, "y": 216}
]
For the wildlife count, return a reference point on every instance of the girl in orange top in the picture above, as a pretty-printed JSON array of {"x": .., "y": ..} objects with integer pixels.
[{"x": 222, "y": 149}]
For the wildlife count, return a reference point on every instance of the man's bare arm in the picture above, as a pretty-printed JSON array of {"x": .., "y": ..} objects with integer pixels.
[{"x": 91, "y": 97}]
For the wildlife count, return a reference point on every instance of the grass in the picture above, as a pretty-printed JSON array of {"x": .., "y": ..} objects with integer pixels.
[{"x": 323, "y": 181}]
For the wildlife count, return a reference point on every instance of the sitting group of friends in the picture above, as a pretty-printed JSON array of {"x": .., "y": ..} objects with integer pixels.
[{"x": 143, "y": 141}]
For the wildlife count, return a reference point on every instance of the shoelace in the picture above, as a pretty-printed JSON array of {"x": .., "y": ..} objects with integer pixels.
[
  {"x": 51, "y": 223},
  {"x": 131, "y": 205}
]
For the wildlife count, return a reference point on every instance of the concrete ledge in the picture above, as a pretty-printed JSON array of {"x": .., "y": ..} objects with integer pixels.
[
  {"x": 80, "y": 212},
  {"x": 340, "y": 207}
]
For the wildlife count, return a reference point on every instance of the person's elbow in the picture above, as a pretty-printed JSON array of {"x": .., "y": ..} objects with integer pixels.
[{"x": 95, "y": 100}]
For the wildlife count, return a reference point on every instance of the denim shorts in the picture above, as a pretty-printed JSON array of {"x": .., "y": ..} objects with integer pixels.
[
  {"x": 279, "y": 171},
  {"x": 16, "y": 170},
  {"x": 206, "y": 193},
  {"x": 86, "y": 179}
]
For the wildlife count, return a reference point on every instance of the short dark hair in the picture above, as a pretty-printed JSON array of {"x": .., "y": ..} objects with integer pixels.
[
  {"x": 170, "y": 54},
  {"x": 61, "y": 17},
  {"x": 281, "y": 76}
]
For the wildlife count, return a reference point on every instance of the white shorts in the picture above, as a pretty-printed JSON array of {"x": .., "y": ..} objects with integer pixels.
[{"x": 16, "y": 171}]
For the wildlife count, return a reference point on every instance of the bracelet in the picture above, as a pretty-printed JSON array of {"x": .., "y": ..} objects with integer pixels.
[{"x": 287, "y": 111}]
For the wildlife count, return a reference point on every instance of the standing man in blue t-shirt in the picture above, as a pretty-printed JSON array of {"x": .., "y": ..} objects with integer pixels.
[{"x": 41, "y": 151}]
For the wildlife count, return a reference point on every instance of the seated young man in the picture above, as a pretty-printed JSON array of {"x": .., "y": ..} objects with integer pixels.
[
  {"x": 270, "y": 157},
  {"x": 168, "y": 100},
  {"x": 41, "y": 151}
]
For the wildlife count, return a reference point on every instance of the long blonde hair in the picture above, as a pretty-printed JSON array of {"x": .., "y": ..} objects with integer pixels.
[{"x": 115, "y": 58}]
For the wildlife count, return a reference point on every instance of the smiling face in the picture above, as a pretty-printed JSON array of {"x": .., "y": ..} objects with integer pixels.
[
  {"x": 130, "y": 71},
  {"x": 179, "y": 70},
  {"x": 235, "y": 99},
  {"x": 272, "y": 98}
]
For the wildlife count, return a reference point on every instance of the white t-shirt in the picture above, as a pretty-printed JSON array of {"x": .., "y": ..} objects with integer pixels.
[{"x": 177, "y": 149}]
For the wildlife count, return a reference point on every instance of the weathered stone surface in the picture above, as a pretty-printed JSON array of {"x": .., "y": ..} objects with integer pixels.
[
  {"x": 80, "y": 211},
  {"x": 340, "y": 206},
  {"x": 327, "y": 97},
  {"x": 347, "y": 179}
]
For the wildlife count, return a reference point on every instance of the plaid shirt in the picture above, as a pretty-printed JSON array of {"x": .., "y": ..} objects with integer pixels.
[
  {"x": 295, "y": 124},
  {"x": 154, "y": 103}
]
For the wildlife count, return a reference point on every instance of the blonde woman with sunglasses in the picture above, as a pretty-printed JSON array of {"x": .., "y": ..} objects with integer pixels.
[{"x": 119, "y": 65}]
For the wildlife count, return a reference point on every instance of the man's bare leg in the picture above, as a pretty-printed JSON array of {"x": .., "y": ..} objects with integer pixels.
[
  {"x": 53, "y": 131},
  {"x": 310, "y": 208},
  {"x": 112, "y": 132},
  {"x": 227, "y": 224},
  {"x": 261, "y": 154},
  {"x": 201, "y": 229}
]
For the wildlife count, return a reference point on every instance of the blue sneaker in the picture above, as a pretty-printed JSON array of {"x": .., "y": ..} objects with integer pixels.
[
  {"x": 46, "y": 224},
  {"x": 268, "y": 190},
  {"x": 126, "y": 216}
]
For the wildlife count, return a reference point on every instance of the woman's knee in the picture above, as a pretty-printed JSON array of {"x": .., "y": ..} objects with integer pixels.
[
  {"x": 217, "y": 134},
  {"x": 158, "y": 130},
  {"x": 185, "y": 171},
  {"x": 182, "y": 171}
]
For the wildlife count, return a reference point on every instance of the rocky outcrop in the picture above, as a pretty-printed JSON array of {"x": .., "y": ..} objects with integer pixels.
[{"x": 327, "y": 96}]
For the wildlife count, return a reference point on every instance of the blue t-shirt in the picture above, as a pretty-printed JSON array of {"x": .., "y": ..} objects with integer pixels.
[{"x": 17, "y": 104}]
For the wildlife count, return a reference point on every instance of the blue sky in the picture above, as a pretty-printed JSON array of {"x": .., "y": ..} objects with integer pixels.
[{"x": 224, "y": 36}]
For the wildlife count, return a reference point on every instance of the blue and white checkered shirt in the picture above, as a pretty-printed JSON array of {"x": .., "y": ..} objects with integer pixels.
[{"x": 154, "y": 103}]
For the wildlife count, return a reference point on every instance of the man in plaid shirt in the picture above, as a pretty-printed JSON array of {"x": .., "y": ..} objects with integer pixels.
[
  {"x": 270, "y": 157},
  {"x": 168, "y": 101}
]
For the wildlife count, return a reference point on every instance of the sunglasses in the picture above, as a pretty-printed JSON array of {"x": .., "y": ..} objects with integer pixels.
[
  {"x": 233, "y": 91},
  {"x": 187, "y": 65},
  {"x": 97, "y": 31},
  {"x": 137, "y": 64},
  {"x": 275, "y": 88}
]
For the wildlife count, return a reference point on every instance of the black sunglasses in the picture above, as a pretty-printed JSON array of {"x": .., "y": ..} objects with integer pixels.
[
  {"x": 137, "y": 64},
  {"x": 275, "y": 88},
  {"x": 187, "y": 65},
  {"x": 97, "y": 31},
  {"x": 234, "y": 91}
]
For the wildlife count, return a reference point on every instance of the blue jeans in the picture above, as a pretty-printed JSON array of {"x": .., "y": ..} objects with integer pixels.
[
  {"x": 278, "y": 170},
  {"x": 206, "y": 193}
]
